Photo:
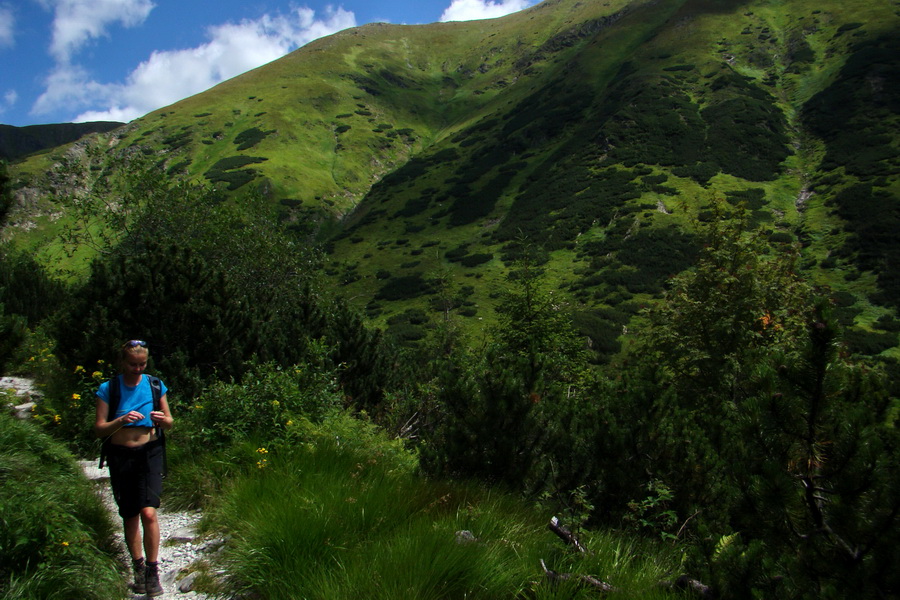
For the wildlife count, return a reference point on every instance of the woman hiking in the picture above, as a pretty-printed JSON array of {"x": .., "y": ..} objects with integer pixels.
[{"x": 135, "y": 452}]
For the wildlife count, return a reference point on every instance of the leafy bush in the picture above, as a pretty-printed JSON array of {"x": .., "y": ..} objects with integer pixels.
[
  {"x": 267, "y": 403},
  {"x": 346, "y": 481},
  {"x": 235, "y": 162},
  {"x": 26, "y": 288}
]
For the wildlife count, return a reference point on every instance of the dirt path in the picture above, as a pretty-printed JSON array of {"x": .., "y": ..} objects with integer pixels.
[{"x": 179, "y": 543}]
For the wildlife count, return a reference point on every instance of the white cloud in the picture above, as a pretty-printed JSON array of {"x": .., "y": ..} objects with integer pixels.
[
  {"x": 78, "y": 21},
  {"x": 7, "y": 27},
  {"x": 469, "y": 10},
  {"x": 169, "y": 76},
  {"x": 9, "y": 101}
]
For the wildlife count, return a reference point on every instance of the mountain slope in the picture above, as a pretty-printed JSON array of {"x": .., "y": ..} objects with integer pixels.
[
  {"x": 589, "y": 134},
  {"x": 16, "y": 142}
]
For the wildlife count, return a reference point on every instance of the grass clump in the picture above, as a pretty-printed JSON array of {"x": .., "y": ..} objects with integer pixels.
[
  {"x": 340, "y": 517},
  {"x": 56, "y": 537}
]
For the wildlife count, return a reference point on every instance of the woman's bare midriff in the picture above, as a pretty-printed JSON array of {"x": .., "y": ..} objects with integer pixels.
[{"x": 133, "y": 437}]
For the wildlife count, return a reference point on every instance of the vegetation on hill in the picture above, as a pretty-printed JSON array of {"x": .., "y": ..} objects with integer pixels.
[{"x": 17, "y": 142}]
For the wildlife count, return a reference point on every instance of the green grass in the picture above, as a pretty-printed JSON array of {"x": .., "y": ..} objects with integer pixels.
[
  {"x": 323, "y": 520},
  {"x": 55, "y": 533}
]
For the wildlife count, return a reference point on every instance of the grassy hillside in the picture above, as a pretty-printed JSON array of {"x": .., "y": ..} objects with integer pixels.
[{"x": 590, "y": 135}]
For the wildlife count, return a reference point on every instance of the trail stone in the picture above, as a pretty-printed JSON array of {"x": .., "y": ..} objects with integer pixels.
[{"x": 187, "y": 584}]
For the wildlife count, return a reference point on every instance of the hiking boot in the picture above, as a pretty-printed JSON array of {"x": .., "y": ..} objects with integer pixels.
[
  {"x": 151, "y": 580},
  {"x": 140, "y": 576}
]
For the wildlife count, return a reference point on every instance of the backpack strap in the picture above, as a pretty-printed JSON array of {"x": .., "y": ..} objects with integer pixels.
[
  {"x": 115, "y": 394},
  {"x": 156, "y": 389}
]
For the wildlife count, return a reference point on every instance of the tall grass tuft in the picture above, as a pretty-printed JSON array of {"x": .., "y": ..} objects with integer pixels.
[
  {"x": 55, "y": 535},
  {"x": 328, "y": 520}
]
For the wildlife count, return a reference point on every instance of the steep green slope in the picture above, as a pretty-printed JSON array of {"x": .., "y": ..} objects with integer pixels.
[
  {"x": 606, "y": 164},
  {"x": 590, "y": 135}
]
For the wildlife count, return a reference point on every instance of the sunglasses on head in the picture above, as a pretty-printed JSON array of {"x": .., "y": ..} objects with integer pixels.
[{"x": 135, "y": 343}]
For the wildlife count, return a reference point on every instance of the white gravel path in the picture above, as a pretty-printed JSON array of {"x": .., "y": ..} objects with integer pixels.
[{"x": 179, "y": 543}]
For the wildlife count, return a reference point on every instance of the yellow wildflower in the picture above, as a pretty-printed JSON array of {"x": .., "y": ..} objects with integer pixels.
[
  {"x": 79, "y": 369},
  {"x": 289, "y": 422},
  {"x": 57, "y": 419},
  {"x": 262, "y": 450},
  {"x": 64, "y": 543},
  {"x": 97, "y": 375},
  {"x": 76, "y": 396},
  {"x": 261, "y": 464}
]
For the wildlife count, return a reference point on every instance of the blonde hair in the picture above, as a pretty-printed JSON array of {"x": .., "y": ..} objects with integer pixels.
[{"x": 132, "y": 348}]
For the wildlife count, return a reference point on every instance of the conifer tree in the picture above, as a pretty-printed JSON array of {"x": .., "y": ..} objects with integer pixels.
[
  {"x": 776, "y": 445},
  {"x": 500, "y": 405},
  {"x": 817, "y": 461},
  {"x": 173, "y": 299}
]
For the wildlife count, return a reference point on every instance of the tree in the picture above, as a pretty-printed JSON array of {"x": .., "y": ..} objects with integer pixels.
[
  {"x": 169, "y": 296},
  {"x": 500, "y": 406},
  {"x": 698, "y": 354},
  {"x": 775, "y": 443}
]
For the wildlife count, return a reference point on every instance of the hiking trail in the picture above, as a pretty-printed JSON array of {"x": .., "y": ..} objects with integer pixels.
[{"x": 179, "y": 545}]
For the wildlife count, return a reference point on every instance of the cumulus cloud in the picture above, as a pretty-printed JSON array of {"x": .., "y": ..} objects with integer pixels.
[
  {"x": 78, "y": 21},
  {"x": 168, "y": 76},
  {"x": 9, "y": 100},
  {"x": 7, "y": 27},
  {"x": 469, "y": 10}
]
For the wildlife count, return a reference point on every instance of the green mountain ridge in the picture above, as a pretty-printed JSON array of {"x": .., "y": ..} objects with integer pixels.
[
  {"x": 592, "y": 136},
  {"x": 18, "y": 142}
]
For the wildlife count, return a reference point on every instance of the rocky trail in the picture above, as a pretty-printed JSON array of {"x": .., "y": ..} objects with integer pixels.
[{"x": 180, "y": 546}]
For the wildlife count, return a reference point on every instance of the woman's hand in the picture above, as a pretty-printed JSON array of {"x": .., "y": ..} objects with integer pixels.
[
  {"x": 161, "y": 419},
  {"x": 131, "y": 417}
]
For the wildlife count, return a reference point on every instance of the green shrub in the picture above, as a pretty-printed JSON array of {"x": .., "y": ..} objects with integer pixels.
[
  {"x": 473, "y": 260},
  {"x": 860, "y": 341},
  {"x": 405, "y": 287},
  {"x": 267, "y": 403},
  {"x": 224, "y": 171}
]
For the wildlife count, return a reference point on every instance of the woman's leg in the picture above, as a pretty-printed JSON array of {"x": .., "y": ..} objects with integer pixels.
[
  {"x": 135, "y": 548},
  {"x": 133, "y": 536},
  {"x": 150, "y": 522}
]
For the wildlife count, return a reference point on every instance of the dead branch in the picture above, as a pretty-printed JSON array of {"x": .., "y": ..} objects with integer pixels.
[
  {"x": 586, "y": 580},
  {"x": 566, "y": 535}
]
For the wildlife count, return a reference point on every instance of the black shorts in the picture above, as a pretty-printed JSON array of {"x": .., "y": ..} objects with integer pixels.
[{"x": 136, "y": 476}]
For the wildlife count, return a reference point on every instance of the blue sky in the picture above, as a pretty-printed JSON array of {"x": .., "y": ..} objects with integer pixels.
[{"x": 116, "y": 60}]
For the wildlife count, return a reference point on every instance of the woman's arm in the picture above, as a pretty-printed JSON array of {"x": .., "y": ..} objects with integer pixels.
[
  {"x": 163, "y": 416},
  {"x": 104, "y": 427}
]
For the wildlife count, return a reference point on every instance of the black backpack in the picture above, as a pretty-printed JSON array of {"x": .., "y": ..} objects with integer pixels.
[{"x": 115, "y": 395}]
